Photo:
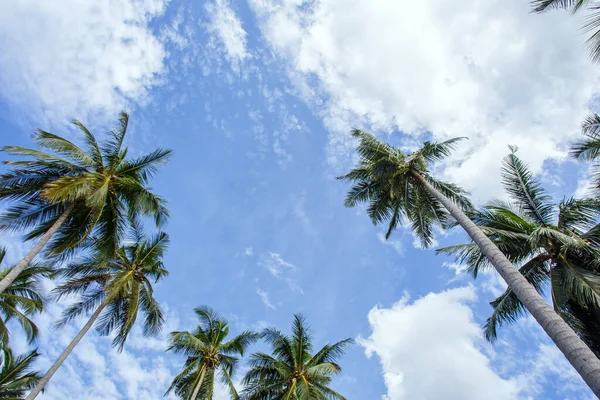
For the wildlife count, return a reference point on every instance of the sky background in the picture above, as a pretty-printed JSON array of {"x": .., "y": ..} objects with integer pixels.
[{"x": 256, "y": 99}]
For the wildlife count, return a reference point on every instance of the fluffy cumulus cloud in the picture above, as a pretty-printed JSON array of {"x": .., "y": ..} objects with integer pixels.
[
  {"x": 76, "y": 58},
  {"x": 488, "y": 70},
  {"x": 430, "y": 349}
]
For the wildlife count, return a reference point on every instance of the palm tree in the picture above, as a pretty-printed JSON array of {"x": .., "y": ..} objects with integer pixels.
[
  {"x": 68, "y": 195},
  {"x": 207, "y": 353},
  {"x": 116, "y": 289},
  {"x": 551, "y": 243},
  {"x": 592, "y": 20},
  {"x": 292, "y": 371},
  {"x": 399, "y": 187},
  {"x": 16, "y": 377},
  {"x": 22, "y": 298},
  {"x": 588, "y": 149}
]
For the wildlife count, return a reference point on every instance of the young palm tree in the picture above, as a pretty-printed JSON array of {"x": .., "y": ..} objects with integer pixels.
[
  {"x": 72, "y": 193},
  {"x": 398, "y": 187},
  {"x": 117, "y": 289},
  {"x": 22, "y": 298},
  {"x": 16, "y": 377},
  {"x": 293, "y": 372},
  {"x": 552, "y": 243},
  {"x": 592, "y": 23},
  {"x": 207, "y": 353}
]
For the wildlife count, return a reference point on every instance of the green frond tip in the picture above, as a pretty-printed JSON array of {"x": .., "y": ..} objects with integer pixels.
[{"x": 544, "y": 5}]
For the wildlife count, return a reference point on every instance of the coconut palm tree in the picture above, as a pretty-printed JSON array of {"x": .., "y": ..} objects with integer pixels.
[
  {"x": 552, "y": 243},
  {"x": 207, "y": 353},
  {"x": 64, "y": 196},
  {"x": 588, "y": 149},
  {"x": 398, "y": 187},
  {"x": 16, "y": 377},
  {"x": 22, "y": 298},
  {"x": 117, "y": 289},
  {"x": 293, "y": 371},
  {"x": 592, "y": 20}
]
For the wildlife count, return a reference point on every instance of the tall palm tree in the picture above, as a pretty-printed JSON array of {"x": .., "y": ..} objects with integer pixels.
[
  {"x": 556, "y": 244},
  {"x": 117, "y": 289},
  {"x": 292, "y": 371},
  {"x": 16, "y": 377},
  {"x": 398, "y": 187},
  {"x": 207, "y": 353},
  {"x": 70, "y": 193},
  {"x": 592, "y": 20},
  {"x": 22, "y": 298}
]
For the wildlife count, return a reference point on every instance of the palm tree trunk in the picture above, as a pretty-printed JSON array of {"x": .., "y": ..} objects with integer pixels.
[
  {"x": 199, "y": 384},
  {"x": 25, "y": 261},
  {"x": 38, "y": 388},
  {"x": 574, "y": 349}
]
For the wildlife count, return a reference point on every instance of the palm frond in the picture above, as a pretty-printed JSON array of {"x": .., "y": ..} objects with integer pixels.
[
  {"x": 519, "y": 183},
  {"x": 507, "y": 308},
  {"x": 544, "y": 5}
]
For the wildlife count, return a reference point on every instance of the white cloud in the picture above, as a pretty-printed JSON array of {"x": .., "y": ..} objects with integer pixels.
[
  {"x": 75, "y": 58},
  {"x": 492, "y": 71},
  {"x": 264, "y": 297},
  {"x": 277, "y": 266},
  {"x": 430, "y": 349},
  {"x": 395, "y": 244},
  {"x": 281, "y": 269},
  {"x": 228, "y": 32}
]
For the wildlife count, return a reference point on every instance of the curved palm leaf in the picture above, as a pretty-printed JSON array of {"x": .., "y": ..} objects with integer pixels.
[{"x": 16, "y": 376}]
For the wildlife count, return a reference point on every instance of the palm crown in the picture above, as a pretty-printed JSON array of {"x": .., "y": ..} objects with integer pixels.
[
  {"x": 122, "y": 284},
  {"x": 387, "y": 180},
  {"x": 207, "y": 353},
  {"x": 22, "y": 298},
  {"x": 97, "y": 184},
  {"x": 551, "y": 242},
  {"x": 16, "y": 378},
  {"x": 292, "y": 371},
  {"x": 592, "y": 20}
]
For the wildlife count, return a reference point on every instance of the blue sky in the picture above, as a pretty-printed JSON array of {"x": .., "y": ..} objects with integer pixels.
[{"x": 256, "y": 99}]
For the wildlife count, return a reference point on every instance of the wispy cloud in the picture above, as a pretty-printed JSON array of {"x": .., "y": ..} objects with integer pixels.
[
  {"x": 264, "y": 297},
  {"x": 227, "y": 31}
]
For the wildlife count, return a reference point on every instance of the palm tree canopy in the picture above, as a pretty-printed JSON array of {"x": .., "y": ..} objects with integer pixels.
[
  {"x": 103, "y": 186},
  {"x": 385, "y": 179},
  {"x": 206, "y": 348},
  {"x": 588, "y": 149},
  {"x": 592, "y": 20},
  {"x": 22, "y": 298},
  {"x": 556, "y": 243},
  {"x": 292, "y": 371},
  {"x": 124, "y": 281},
  {"x": 16, "y": 377}
]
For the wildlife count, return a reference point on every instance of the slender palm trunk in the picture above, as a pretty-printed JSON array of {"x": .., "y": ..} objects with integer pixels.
[
  {"x": 38, "y": 388},
  {"x": 25, "y": 261},
  {"x": 199, "y": 384},
  {"x": 574, "y": 349}
]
